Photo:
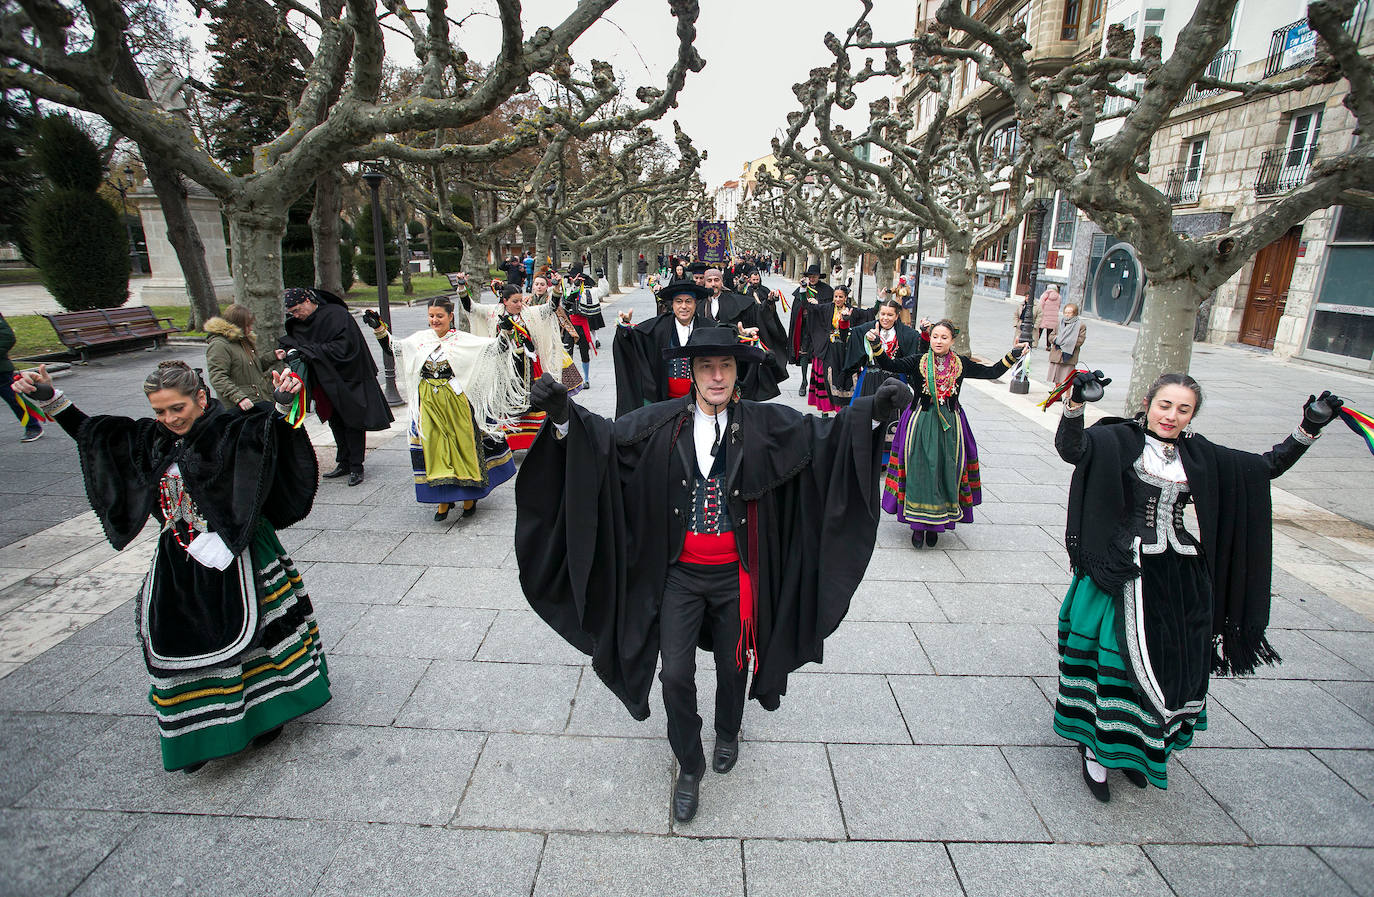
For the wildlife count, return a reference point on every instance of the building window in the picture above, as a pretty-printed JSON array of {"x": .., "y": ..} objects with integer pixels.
[
  {"x": 1095, "y": 9},
  {"x": 1343, "y": 321},
  {"x": 1195, "y": 153},
  {"x": 1071, "y": 12},
  {"x": 1065, "y": 221},
  {"x": 1022, "y": 16},
  {"x": 1303, "y": 133},
  {"x": 1005, "y": 141}
]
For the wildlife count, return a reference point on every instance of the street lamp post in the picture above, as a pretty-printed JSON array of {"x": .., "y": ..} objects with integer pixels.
[
  {"x": 135, "y": 260},
  {"x": 374, "y": 180},
  {"x": 1043, "y": 191},
  {"x": 916, "y": 287},
  {"x": 551, "y": 193},
  {"x": 859, "y": 295}
]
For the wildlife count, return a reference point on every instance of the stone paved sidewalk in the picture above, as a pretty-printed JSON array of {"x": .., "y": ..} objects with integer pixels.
[{"x": 469, "y": 751}]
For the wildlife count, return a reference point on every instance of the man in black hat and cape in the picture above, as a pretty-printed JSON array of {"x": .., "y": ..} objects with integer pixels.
[
  {"x": 702, "y": 520},
  {"x": 340, "y": 373},
  {"x": 643, "y": 374},
  {"x": 812, "y": 292}
]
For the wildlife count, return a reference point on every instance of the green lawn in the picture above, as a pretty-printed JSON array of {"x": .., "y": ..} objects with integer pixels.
[
  {"x": 19, "y": 275},
  {"x": 424, "y": 286},
  {"x": 35, "y": 336}
]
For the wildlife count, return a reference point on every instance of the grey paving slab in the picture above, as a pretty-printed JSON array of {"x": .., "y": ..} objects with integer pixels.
[
  {"x": 334, "y": 516},
  {"x": 598, "y": 712},
  {"x": 776, "y": 790},
  {"x": 35, "y": 744},
  {"x": 451, "y": 550},
  {"x": 1055, "y": 870},
  {"x": 349, "y": 547},
  {"x": 927, "y": 793},
  {"x": 879, "y": 600},
  {"x": 848, "y": 869},
  {"x": 1355, "y": 648},
  {"x": 1286, "y": 613},
  {"x": 52, "y": 675},
  {"x": 117, "y": 627},
  {"x": 492, "y": 697},
  {"x": 1016, "y": 493},
  {"x": 120, "y": 688},
  {"x": 406, "y": 859},
  {"x": 570, "y": 783},
  {"x": 1224, "y": 730},
  {"x": 1358, "y": 696},
  {"x": 1007, "y": 537},
  {"x": 50, "y": 852},
  {"x": 410, "y": 517},
  {"x": 294, "y": 537},
  {"x": 1336, "y": 614},
  {"x": 987, "y": 649},
  {"x": 858, "y": 647},
  {"x": 365, "y": 774},
  {"x": 1035, "y": 514},
  {"x": 209, "y": 857},
  {"x": 909, "y": 564},
  {"x": 334, "y": 492},
  {"x": 987, "y": 710},
  {"x": 335, "y": 618},
  {"x": 368, "y": 691},
  {"x": 1356, "y": 767},
  {"x": 975, "y": 602},
  {"x": 1293, "y": 713},
  {"x": 1197, "y": 871},
  {"x": 490, "y": 520},
  {"x": 121, "y": 769},
  {"x": 1182, "y": 813},
  {"x": 1304, "y": 658},
  {"x": 1353, "y": 864},
  {"x": 1011, "y": 567},
  {"x": 520, "y": 636},
  {"x": 1283, "y": 796},
  {"x": 831, "y": 708},
  {"x": 497, "y": 588},
  {"x": 452, "y": 633},
  {"x": 627, "y": 866},
  {"x": 360, "y": 583}
]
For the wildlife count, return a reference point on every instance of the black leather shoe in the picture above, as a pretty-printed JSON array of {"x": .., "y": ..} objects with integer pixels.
[
  {"x": 267, "y": 737},
  {"x": 442, "y": 514},
  {"x": 931, "y": 538},
  {"x": 194, "y": 767},
  {"x": 1098, "y": 789},
  {"x": 341, "y": 470},
  {"x": 724, "y": 757},
  {"x": 355, "y": 478},
  {"x": 917, "y": 540},
  {"x": 685, "y": 796},
  {"x": 469, "y": 508},
  {"x": 1136, "y": 778}
]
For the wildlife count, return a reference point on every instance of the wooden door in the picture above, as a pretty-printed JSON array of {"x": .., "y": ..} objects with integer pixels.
[{"x": 1268, "y": 295}]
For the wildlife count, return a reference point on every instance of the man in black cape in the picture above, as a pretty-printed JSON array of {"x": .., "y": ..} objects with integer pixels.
[
  {"x": 760, "y": 381},
  {"x": 771, "y": 331},
  {"x": 812, "y": 292},
  {"x": 703, "y": 519},
  {"x": 642, "y": 373},
  {"x": 341, "y": 373}
]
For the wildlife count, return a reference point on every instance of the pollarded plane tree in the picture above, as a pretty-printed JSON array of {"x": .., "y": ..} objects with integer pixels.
[
  {"x": 939, "y": 174},
  {"x": 1060, "y": 113},
  {"x": 340, "y": 115},
  {"x": 779, "y": 208}
]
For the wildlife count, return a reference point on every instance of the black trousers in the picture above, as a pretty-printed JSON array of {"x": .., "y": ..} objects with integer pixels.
[
  {"x": 348, "y": 442},
  {"x": 693, "y": 594}
]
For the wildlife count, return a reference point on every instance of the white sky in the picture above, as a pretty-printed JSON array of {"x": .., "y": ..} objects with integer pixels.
[{"x": 754, "y": 50}]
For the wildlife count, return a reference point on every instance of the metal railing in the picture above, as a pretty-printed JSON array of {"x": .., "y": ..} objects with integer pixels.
[
  {"x": 1183, "y": 186},
  {"x": 1278, "y": 173},
  {"x": 1222, "y": 67},
  {"x": 1295, "y": 44}
]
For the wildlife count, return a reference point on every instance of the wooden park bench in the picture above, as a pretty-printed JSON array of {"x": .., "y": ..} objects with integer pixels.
[{"x": 82, "y": 331}]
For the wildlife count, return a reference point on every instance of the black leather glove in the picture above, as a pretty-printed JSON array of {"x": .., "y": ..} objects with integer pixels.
[
  {"x": 1318, "y": 411},
  {"x": 1017, "y": 351},
  {"x": 1088, "y": 386},
  {"x": 890, "y": 398},
  {"x": 550, "y": 397},
  {"x": 372, "y": 319},
  {"x": 505, "y": 323},
  {"x": 42, "y": 392}
]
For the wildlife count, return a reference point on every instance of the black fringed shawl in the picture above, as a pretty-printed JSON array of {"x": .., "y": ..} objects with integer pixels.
[
  {"x": 236, "y": 466},
  {"x": 1230, "y": 490}
]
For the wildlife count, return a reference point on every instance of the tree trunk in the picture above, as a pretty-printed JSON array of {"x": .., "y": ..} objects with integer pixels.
[
  {"x": 959, "y": 273},
  {"x": 403, "y": 248},
  {"x": 185, "y": 239},
  {"x": 629, "y": 267},
  {"x": 882, "y": 275},
  {"x": 475, "y": 263},
  {"x": 324, "y": 233},
  {"x": 256, "y": 237},
  {"x": 613, "y": 269},
  {"x": 1164, "y": 343},
  {"x": 543, "y": 243},
  {"x": 847, "y": 271}
]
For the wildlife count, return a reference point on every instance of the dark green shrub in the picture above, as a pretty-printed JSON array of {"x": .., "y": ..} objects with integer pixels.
[
  {"x": 365, "y": 263},
  {"x": 448, "y": 249},
  {"x": 67, "y": 155}
]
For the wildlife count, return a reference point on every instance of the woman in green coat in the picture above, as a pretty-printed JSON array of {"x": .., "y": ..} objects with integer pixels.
[{"x": 236, "y": 369}]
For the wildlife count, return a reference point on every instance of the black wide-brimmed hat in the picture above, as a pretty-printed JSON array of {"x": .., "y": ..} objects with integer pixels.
[
  {"x": 697, "y": 268},
  {"x": 677, "y": 287},
  {"x": 813, "y": 269},
  {"x": 714, "y": 342}
]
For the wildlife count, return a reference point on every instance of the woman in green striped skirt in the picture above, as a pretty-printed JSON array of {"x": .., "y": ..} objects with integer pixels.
[
  {"x": 1154, "y": 609},
  {"x": 228, "y": 632}
]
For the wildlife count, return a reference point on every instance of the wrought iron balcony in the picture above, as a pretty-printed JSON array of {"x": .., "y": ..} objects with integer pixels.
[
  {"x": 1222, "y": 67},
  {"x": 1282, "y": 169},
  {"x": 1183, "y": 186},
  {"x": 1295, "y": 44}
]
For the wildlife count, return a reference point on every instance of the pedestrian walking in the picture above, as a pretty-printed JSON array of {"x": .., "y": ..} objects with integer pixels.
[
  {"x": 700, "y": 516},
  {"x": 228, "y": 634},
  {"x": 642, "y": 269},
  {"x": 933, "y": 479},
  {"x": 33, "y": 430},
  {"x": 1066, "y": 343},
  {"x": 237, "y": 371},
  {"x": 1046, "y": 315},
  {"x": 1153, "y": 609}
]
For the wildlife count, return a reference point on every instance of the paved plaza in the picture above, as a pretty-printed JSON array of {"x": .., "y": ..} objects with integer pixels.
[{"x": 468, "y": 750}]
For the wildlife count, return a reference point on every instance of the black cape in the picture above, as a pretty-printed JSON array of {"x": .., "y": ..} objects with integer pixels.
[
  {"x": 595, "y": 531},
  {"x": 770, "y": 326},
  {"x": 802, "y": 317},
  {"x": 1230, "y": 490},
  {"x": 340, "y": 364}
]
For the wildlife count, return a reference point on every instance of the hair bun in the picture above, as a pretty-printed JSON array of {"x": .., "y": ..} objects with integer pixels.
[{"x": 172, "y": 363}]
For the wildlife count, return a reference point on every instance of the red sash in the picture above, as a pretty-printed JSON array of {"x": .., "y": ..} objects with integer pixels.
[
  {"x": 678, "y": 387},
  {"x": 713, "y": 550}
]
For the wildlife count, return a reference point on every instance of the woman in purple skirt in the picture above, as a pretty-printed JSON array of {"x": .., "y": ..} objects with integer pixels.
[{"x": 933, "y": 441}]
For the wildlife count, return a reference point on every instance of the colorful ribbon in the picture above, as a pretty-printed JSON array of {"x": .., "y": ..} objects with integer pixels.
[
  {"x": 1361, "y": 423},
  {"x": 32, "y": 413},
  {"x": 1058, "y": 392}
]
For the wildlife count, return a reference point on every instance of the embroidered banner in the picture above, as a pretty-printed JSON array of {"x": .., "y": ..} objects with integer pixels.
[{"x": 713, "y": 242}]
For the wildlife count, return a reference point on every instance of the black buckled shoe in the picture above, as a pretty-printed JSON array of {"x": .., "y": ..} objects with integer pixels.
[
  {"x": 724, "y": 757},
  {"x": 1099, "y": 789},
  {"x": 355, "y": 478},
  {"x": 339, "y": 471},
  {"x": 685, "y": 796},
  {"x": 1136, "y": 778}
]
